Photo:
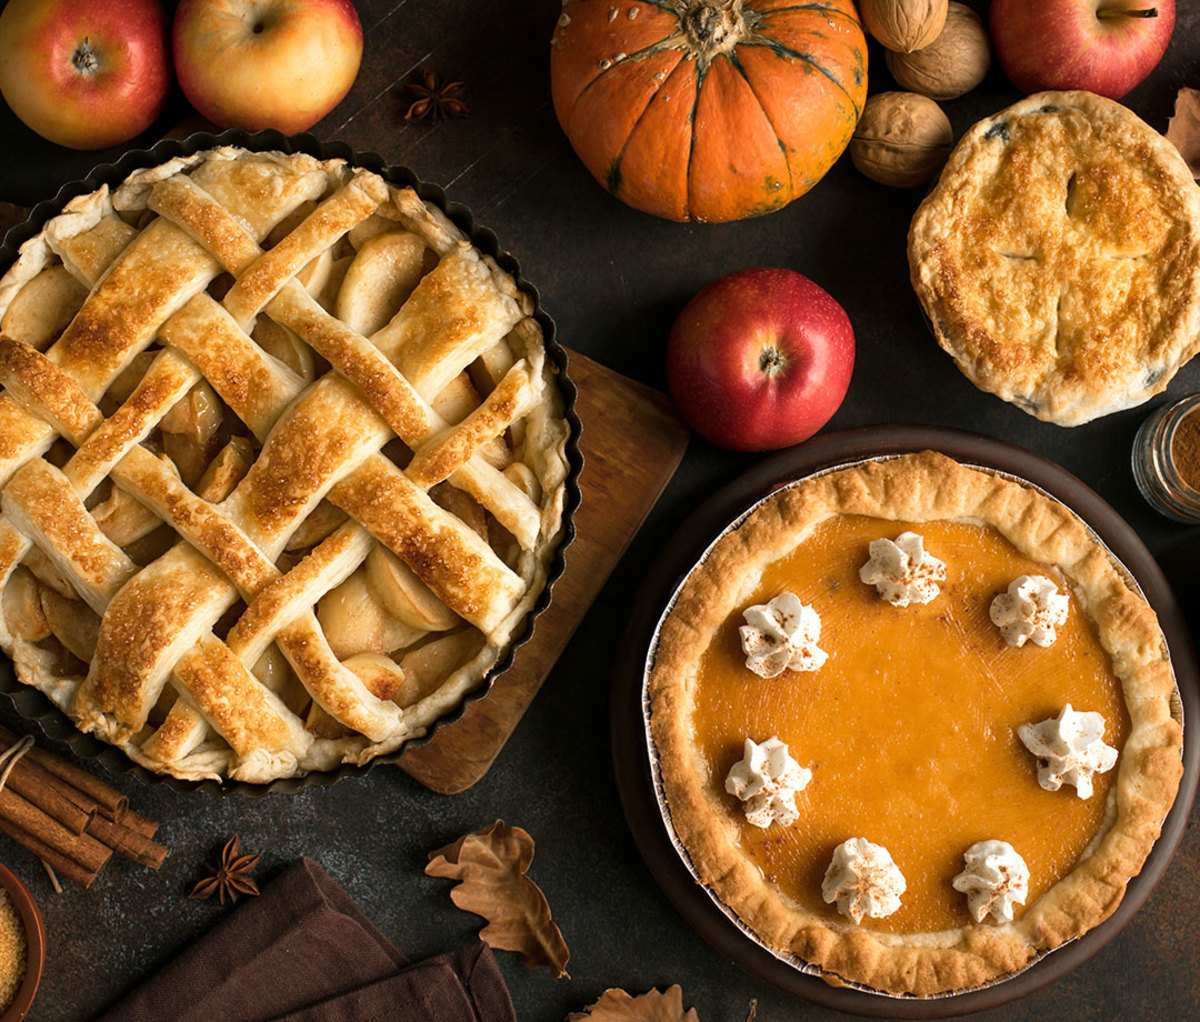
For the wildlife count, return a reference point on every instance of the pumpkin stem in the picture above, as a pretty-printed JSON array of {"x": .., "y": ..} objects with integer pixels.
[{"x": 714, "y": 27}]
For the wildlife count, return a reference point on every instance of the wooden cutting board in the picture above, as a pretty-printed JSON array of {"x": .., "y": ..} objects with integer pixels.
[{"x": 632, "y": 443}]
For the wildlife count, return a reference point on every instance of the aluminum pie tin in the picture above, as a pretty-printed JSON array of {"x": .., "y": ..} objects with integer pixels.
[
  {"x": 34, "y": 707},
  {"x": 669, "y": 859}
]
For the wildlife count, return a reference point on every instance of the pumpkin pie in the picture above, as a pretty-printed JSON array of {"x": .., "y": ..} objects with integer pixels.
[
  {"x": 964, "y": 748},
  {"x": 1058, "y": 257}
]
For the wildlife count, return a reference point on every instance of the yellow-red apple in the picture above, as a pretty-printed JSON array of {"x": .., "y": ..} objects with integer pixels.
[
  {"x": 87, "y": 74},
  {"x": 760, "y": 359},
  {"x": 266, "y": 63},
  {"x": 1103, "y": 46}
]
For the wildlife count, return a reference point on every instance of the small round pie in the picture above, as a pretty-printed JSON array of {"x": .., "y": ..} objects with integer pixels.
[
  {"x": 1058, "y": 257},
  {"x": 909, "y": 729},
  {"x": 282, "y": 464}
]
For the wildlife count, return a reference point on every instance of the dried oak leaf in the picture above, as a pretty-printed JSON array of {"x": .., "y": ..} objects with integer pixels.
[
  {"x": 618, "y": 1006},
  {"x": 490, "y": 864},
  {"x": 1183, "y": 129}
]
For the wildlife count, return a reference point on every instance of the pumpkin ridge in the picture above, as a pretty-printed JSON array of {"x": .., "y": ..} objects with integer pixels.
[
  {"x": 823, "y": 8},
  {"x": 825, "y": 12},
  {"x": 786, "y": 51},
  {"x": 737, "y": 64},
  {"x": 701, "y": 75},
  {"x": 645, "y": 51},
  {"x": 613, "y": 176}
]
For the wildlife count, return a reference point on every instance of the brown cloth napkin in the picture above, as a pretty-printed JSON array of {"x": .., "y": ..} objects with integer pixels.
[{"x": 304, "y": 952}]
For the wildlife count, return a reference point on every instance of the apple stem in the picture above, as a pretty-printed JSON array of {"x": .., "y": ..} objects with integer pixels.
[
  {"x": 771, "y": 361},
  {"x": 1112, "y": 13},
  {"x": 85, "y": 59}
]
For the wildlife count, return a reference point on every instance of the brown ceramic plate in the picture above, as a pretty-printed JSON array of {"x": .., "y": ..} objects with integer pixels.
[
  {"x": 632, "y": 749},
  {"x": 35, "y": 945}
]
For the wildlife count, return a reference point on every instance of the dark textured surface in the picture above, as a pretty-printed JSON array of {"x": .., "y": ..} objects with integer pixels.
[{"x": 613, "y": 279}]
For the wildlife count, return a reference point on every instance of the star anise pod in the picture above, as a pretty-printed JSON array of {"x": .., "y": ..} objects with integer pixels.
[
  {"x": 435, "y": 99},
  {"x": 230, "y": 877}
]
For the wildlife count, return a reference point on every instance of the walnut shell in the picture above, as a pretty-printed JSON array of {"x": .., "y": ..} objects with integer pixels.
[
  {"x": 954, "y": 63},
  {"x": 903, "y": 25},
  {"x": 902, "y": 140}
]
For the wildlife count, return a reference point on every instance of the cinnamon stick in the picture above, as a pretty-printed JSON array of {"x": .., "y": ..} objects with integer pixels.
[
  {"x": 110, "y": 802},
  {"x": 135, "y": 821},
  {"x": 38, "y": 775},
  {"x": 43, "y": 777},
  {"x": 127, "y": 842},
  {"x": 23, "y": 814},
  {"x": 62, "y": 864},
  {"x": 24, "y": 779}
]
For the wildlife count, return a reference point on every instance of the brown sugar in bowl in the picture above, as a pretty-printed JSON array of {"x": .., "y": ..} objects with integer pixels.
[{"x": 35, "y": 946}]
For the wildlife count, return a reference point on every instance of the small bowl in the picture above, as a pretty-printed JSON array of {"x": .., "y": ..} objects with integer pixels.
[
  {"x": 35, "y": 944},
  {"x": 1158, "y": 476}
]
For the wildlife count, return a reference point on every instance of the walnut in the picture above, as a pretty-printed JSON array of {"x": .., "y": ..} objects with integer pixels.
[
  {"x": 954, "y": 63},
  {"x": 903, "y": 25},
  {"x": 902, "y": 139}
]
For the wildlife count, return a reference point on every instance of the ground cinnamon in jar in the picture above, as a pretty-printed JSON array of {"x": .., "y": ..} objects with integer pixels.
[
  {"x": 1185, "y": 449},
  {"x": 13, "y": 950}
]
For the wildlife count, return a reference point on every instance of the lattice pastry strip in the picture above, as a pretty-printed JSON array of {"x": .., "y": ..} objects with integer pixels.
[
  {"x": 42, "y": 503},
  {"x": 448, "y": 342},
  {"x": 127, "y": 678},
  {"x": 238, "y": 707},
  {"x": 167, "y": 332}
]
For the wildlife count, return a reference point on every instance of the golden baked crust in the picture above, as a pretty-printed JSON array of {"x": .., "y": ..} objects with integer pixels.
[
  {"x": 282, "y": 470},
  {"x": 917, "y": 488},
  {"x": 1058, "y": 257}
]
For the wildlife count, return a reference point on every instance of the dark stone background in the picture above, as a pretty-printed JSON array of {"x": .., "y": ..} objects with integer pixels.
[{"x": 613, "y": 279}]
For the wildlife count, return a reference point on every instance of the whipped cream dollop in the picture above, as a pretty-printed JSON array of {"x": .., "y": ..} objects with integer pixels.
[
  {"x": 994, "y": 876},
  {"x": 1030, "y": 611},
  {"x": 780, "y": 635},
  {"x": 863, "y": 880},
  {"x": 766, "y": 780},
  {"x": 902, "y": 571},
  {"x": 1070, "y": 749}
]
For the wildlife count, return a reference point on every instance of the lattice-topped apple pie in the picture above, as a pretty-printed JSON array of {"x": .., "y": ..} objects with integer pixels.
[{"x": 283, "y": 464}]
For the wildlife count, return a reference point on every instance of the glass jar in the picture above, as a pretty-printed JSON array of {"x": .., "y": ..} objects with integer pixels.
[{"x": 1162, "y": 452}]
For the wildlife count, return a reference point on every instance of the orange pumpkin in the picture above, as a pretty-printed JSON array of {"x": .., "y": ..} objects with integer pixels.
[{"x": 708, "y": 110}]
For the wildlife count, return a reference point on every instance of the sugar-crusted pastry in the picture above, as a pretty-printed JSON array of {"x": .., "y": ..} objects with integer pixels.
[
  {"x": 1058, "y": 257},
  {"x": 283, "y": 464}
]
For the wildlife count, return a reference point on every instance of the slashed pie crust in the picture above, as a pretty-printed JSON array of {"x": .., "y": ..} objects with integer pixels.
[
  {"x": 283, "y": 464},
  {"x": 913, "y": 489},
  {"x": 1058, "y": 257}
]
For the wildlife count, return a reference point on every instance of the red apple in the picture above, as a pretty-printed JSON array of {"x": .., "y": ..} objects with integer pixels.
[
  {"x": 266, "y": 63},
  {"x": 760, "y": 359},
  {"x": 85, "y": 73},
  {"x": 1103, "y": 46}
]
